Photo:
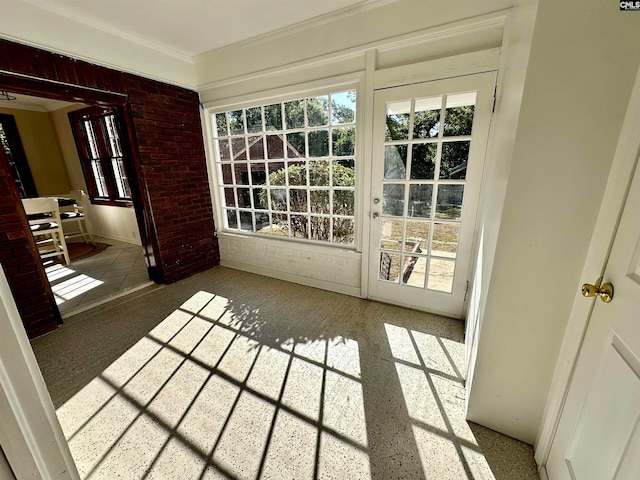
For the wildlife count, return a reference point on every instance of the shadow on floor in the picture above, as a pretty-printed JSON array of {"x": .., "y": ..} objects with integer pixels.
[{"x": 233, "y": 375}]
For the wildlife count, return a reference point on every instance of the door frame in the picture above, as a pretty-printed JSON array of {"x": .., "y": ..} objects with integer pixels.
[{"x": 621, "y": 173}]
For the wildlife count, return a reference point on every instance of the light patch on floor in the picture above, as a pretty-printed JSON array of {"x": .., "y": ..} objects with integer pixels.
[{"x": 238, "y": 386}]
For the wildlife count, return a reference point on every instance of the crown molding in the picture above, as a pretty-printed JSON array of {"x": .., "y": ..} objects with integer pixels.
[{"x": 96, "y": 23}]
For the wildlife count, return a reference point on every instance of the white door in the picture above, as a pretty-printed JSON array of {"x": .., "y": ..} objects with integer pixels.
[
  {"x": 598, "y": 436},
  {"x": 428, "y": 157}
]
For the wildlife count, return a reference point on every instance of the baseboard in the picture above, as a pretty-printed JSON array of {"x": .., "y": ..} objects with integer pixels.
[
  {"x": 290, "y": 277},
  {"x": 116, "y": 237},
  {"x": 542, "y": 471}
]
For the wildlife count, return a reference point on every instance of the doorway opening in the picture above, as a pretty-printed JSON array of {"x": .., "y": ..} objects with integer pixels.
[{"x": 111, "y": 261}]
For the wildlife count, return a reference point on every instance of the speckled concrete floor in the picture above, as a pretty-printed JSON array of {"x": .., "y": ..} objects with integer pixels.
[{"x": 233, "y": 375}]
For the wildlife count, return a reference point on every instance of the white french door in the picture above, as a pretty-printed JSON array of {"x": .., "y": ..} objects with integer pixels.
[{"x": 428, "y": 157}]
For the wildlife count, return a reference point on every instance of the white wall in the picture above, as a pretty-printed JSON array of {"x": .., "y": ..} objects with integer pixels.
[{"x": 583, "y": 62}]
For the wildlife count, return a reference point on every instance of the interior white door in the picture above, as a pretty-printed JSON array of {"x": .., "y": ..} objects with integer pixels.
[
  {"x": 598, "y": 436},
  {"x": 428, "y": 158}
]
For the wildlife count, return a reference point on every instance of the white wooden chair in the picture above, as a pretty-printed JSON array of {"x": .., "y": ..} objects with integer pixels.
[
  {"x": 77, "y": 216},
  {"x": 46, "y": 227}
]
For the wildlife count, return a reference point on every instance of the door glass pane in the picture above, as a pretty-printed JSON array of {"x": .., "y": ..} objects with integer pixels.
[
  {"x": 423, "y": 161},
  {"x": 389, "y": 267},
  {"x": 320, "y": 228},
  {"x": 458, "y": 117},
  {"x": 395, "y": 162},
  {"x": 417, "y": 236},
  {"x": 420, "y": 201},
  {"x": 398, "y": 121},
  {"x": 415, "y": 271},
  {"x": 391, "y": 234},
  {"x": 426, "y": 122},
  {"x": 445, "y": 239},
  {"x": 454, "y": 160},
  {"x": 441, "y": 275},
  {"x": 319, "y": 201},
  {"x": 449, "y": 204},
  {"x": 343, "y": 230},
  {"x": 393, "y": 200}
]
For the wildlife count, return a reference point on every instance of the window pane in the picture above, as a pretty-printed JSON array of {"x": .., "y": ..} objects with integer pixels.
[
  {"x": 343, "y": 202},
  {"x": 344, "y": 141},
  {"x": 319, "y": 201},
  {"x": 258, "y": 174},
  {"x": 260, "y": 198},
  {"x": 320, "y": 228},
  {"x": 393, "y": 200},
  {"x": 295, "y": 145},
  {"x": 343, "y": 173},
  {"x": 246, "y": 221},
  {"x": 90, "y": 137},
  {"x": 227, "y": 179},
  {"x": 454, "y": 160},
  {"x": 423, "y": 161},
  {"x": 297, "y": 173},
  {"x": 420, "y": 198},
  {"x": 244, "y": 198},
  {"x": 277, "y": 173},
  {"x": 239, "y": 148},
  {"x": 343, "y": 229},
  {"x": 115, "y": 150},
  {"x": 273, "y": 117},
  {"x": 242, "y": 173},
  {"x": 318, "y": 111},
  {"x": 229, "y": 198},
  {"x": 256, "y": 148},
  {"x": 426, "y": 122},
  {"x": 262, "y": 222},
  {"x": 122, "y": 183},
  {"x": 223, "y": 150},
  {"x": 232, "y": 219},
  {"x": 254, "y": 119},
  {"x": 319, "y": 143},
  {"x": 221, "y": 125},
  {"x": 395, "y": 162},
  {"x": 98, "y": 175},
  {"x": 458, "y": 118},
  {"x": 299, "y": 225},
  {"x": 343, "y": 107},
  {"x": 275, "y": 147},
  {"x": 280, "y": 225},
  {"x": 236, "y": 122},
  {"x": 294, "y": 114},
  {"x": 319, "y": 173},
  {"x": 398, "y": 121},
  {"x": 449, "y": 204},
  {"x": 298, "y": 200},
  {"x": 279, "y": 199}
]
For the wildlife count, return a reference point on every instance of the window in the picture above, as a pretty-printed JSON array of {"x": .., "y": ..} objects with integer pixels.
[
  {"x": 103, "y": 161},
  {"x": 288, "y": 169}
]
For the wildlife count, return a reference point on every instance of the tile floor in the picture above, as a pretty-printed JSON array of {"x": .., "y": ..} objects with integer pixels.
[
  {"x": 229, "y": 375},
  {"x": 117, "y": 270}
]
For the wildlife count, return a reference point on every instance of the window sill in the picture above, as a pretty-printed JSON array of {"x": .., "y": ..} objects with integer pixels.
[{"x": 112, "y": 203}]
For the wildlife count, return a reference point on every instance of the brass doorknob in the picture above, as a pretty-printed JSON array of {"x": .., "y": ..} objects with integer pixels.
[{"x": 603, "y": 290}]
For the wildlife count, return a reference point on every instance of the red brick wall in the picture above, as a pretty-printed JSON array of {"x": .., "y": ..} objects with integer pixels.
[
  {"x": 174, "y": 206},
  {"x": 21, "y": 261}
]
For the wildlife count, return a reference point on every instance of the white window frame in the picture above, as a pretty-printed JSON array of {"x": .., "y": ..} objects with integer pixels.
[{"x": 296, "y": 92}]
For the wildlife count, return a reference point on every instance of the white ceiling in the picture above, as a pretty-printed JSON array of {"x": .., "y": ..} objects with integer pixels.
[{"x": 194, "y": 27}]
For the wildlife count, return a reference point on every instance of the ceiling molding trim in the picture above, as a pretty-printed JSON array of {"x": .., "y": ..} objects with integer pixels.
[
  {"x": 93, "y": 22},
  {"x": 460, "y": 27},
  {"x": 299, "y": 27},
  {"x": 95, "y": 61}
]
